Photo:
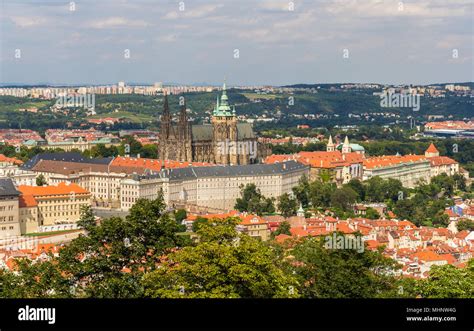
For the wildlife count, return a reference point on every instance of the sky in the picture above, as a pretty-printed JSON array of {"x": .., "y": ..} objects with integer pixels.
[{"x": 245, "y": 42}]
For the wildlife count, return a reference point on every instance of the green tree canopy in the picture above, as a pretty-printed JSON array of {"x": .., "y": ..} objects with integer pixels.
[
  {"x": 341, "y": 273},
  {"x": 447, "y": 281},
  {"x": 287, "y": 205},
  {"x": 252, "y": 201},
  {"x": 224, "y": 264}
]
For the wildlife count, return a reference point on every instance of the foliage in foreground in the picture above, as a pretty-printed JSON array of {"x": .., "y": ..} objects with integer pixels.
[{"x": 144, "y": 255}]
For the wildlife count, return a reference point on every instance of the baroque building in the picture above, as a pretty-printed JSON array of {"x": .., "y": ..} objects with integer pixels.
[{"x": 224, "y": 141}]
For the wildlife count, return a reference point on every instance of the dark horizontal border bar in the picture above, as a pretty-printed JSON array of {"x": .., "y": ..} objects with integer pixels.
[{"x": 191, "y": 314}]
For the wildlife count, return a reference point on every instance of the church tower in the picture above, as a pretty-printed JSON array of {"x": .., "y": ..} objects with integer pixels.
[
  {"x": 184, "y": 136},
  {"x": 166, "y": 150},
  {"x": 330, "y": 147},
  {"x": 346, "y": 147},
  {"x": 432, "y": 151},
  {"x": 225, "y": 136}
]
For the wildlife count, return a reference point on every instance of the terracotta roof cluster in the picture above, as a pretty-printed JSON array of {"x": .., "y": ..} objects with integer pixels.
[
  {"x": 16, "y": 137},
  {"x": 319, "y": 159},
  {"x": 12, "y": 160},
  {"x": 8, "y": 257},
  {"x": 450, "y": 125},
  {"x": 392, "y": 160},
  {"x": 60, "y": 135}
]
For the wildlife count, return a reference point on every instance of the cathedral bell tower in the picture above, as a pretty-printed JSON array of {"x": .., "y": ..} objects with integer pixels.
[
  {"x": 184, "y": 136},
  {"x": 330, "y": 147},
  {"x": 225, "y": 136},
  {"x": 165, "y": 131},
  {"x": 346, "y": 147}
]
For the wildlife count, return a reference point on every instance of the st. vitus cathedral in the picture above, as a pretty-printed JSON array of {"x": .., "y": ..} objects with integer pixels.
[{"x": 224, "y": 141}]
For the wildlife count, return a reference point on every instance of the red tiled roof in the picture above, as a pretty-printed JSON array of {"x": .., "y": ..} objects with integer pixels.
[
  {"x": 441, "y": 160},
  {"x": 432, "y": 149},
  {"x": 60, "y": 189},
  {"x": 391, "y": 160},
  {"x": 12, "y": 160},
  {"x": 27, "y": 201}
]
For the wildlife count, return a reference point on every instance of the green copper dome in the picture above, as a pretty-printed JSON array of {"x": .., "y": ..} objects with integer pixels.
[{"x": 222, "y": 107}]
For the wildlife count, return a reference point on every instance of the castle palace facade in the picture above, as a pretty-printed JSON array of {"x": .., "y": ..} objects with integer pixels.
[{"x": 223, "y": 141}]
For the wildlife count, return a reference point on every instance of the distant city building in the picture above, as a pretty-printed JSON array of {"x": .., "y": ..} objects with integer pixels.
[
  {"x": 21, "y": 137},
  {"x": 81, "y": 140}
]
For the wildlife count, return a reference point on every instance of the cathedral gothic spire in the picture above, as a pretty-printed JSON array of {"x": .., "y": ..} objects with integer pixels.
[
  {"x": 165, "y": 119},
  {"x": 183, "y": 117}
]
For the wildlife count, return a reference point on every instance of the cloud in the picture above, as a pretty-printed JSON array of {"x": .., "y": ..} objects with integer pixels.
[
  {"x": 193, "y": 12},
  {"x": 28, "y": 21},
  {"x": 116, "y": 22},
  {"x": 311, "y": 37}
]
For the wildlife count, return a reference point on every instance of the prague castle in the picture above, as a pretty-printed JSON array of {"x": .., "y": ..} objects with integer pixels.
[{"x": 224, "y": 141}]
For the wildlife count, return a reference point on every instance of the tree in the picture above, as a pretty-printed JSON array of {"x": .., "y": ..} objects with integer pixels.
[
  {"x": 320, "y": 193},
  {"x": 40, "y": 180},
  {"x": 198, "y": 222},
  {"x": 87, "y": 219},
  {"x": 283, "y": 228},
  {"x": 374, "y": 189},
  {"x": 287, "y": 205},
  {"x": 465, "y": 224},
  {"x": 34, "y": 280},
  {"x": 301, "y": 191},
  {"x": 448, "y": 281},
  {"x": 372, "y": 214},
  {"x": 110, "y": 260},
  {"x": 180, "y": 215},
  {"x": 341, "y": 273},
  {"x": 358, "y": 187},
  {"x": 224, "y": 264},
  {"x": 459, "y": 182},
  {"x": 343, "y": 198},
  {"x": 380, "y": 190},
  {"x": 252, "y": 201}
]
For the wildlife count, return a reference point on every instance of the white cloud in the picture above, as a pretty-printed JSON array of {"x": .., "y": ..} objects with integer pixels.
[
  {"x": 28, "y": 21},
  {"x": 193, "y": 12},
  {"x": 116, "y": 22}
]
